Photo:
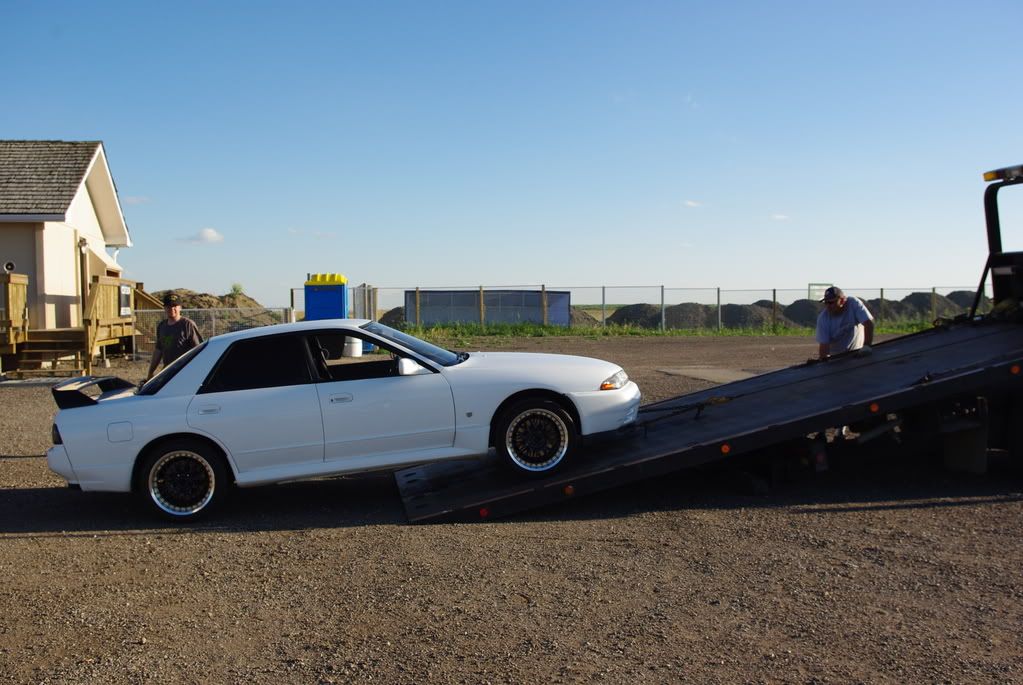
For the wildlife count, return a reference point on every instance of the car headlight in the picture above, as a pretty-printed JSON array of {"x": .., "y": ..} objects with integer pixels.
[{"x": 615, "y": 382}]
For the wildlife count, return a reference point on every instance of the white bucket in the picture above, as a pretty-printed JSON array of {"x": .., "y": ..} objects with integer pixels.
[{"x": 353, "y": 347}]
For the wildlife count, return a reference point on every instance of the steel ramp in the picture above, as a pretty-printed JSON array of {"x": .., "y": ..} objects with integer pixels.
[{"x": 965, "y": 359}]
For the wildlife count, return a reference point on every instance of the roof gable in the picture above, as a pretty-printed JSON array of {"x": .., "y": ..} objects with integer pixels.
[{"x": 41, "y": 177}]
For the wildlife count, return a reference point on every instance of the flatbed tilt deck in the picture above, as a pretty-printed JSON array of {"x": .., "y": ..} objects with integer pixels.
[{"x": 964, "y": 376}]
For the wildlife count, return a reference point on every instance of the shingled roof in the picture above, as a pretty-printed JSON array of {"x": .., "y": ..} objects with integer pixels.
[{"x": 41, "y": 177}]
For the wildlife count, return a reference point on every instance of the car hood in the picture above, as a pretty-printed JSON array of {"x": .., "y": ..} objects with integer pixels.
[{"x": 582, "y": 373}]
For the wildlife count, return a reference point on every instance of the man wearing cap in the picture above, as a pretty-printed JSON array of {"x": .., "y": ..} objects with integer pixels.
[
  {"x": 845, "y": 325},
  {"x": 175, "y": 335}
]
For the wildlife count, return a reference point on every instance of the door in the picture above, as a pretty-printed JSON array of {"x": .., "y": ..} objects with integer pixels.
[
  {"x": 261, "y": 404},
  {"x": 372, "y": 417}
]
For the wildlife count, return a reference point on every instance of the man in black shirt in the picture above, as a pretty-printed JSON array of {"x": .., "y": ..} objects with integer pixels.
[{"x": 175, "y": 335}]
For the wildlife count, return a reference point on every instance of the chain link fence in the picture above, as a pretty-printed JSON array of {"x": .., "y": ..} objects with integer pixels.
[
  {"x": 645, "y": 306},
  {"x": 210, "y": 322},
  {"x": 660, "y": 307}
]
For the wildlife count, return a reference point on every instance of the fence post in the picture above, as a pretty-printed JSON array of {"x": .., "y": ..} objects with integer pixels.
[
  {"x": 543, "y": 302},
  {"x": 418, "y": 324},
  {"x": 483, "y": 321},
  {"x": 663, "y": 327},
  {"x": 934, "y": 304},
  {"x": 880, "y": 314},
  {"x": 603, "y": 306},
  {"x": 719, "y": 310},
  {"x": 774, "y": 311}
]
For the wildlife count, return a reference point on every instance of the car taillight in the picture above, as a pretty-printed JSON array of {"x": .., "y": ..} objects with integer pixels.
[{"x": 55, "y": 434}]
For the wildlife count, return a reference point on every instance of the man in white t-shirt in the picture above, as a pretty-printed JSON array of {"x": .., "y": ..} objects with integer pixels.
[{"x": 844, "y": 325}]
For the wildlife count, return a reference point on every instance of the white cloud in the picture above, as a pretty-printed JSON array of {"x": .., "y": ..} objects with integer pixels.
[
  {"x": 205, "y": 236},
  {"x": 693, "y": 203},
  {"x": 780, "y": 217},
  {"x": 136, "y": 200}
]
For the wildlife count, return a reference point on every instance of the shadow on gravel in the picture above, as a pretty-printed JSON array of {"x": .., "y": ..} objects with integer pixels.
[
  {"x": 915, "y": 485},
  {"x": 373, "y": 499},
  {"x": 337, "y": 503}
]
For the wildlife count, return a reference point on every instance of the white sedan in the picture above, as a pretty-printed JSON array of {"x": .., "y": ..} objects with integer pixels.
[{"x": 322, "y": 398}]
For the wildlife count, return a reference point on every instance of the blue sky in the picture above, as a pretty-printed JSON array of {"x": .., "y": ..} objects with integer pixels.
[{"x": 727, "y": 144}]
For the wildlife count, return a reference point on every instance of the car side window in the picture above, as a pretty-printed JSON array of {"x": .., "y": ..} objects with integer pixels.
[
  {"x": 346, "y": 357},
  {"x": 265, "y": 362}
]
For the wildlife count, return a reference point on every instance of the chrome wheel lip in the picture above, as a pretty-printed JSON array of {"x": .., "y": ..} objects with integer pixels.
[
  {"x": 513, "y": 450},
  {"x": 156, "y": 474}
]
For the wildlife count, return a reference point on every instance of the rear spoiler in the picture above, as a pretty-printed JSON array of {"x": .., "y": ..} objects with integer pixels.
[{"x": 69, "y": 394}]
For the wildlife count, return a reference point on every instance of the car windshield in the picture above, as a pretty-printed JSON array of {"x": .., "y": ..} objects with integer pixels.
[
  {"x": 159, "y": 380},
  {"x": 435, "y": 354}
]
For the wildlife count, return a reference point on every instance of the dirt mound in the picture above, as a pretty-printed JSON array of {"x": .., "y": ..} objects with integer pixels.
[
  {"x": 581, "y": 319},
  {"x": 643, "y": 315},
  {"x": 748, "y": 316},
  {"x": 964, "y": 300},
  {"x": 240, "y": 310},
  {"x": 920, "y": 303},
  {"x": 689, "y": 315},
  {"x": 803, "y": 312},
  {"x": 394, "y": 317},
  {"x": 193, "y": 300}
]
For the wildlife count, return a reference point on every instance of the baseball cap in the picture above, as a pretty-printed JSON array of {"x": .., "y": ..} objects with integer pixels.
[
  {"x": 170, "y": 299},
  {"x": 832, "y": 293}
]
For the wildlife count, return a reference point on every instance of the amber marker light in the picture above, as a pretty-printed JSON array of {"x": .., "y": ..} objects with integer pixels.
[
  {"x": 726, "y": 448},
  {"x": 1014, "y": 369},
  {"x": 569, "y": 490},
  {"x": 1009, "y": 173},
  {"x": 874, "y": 407}
]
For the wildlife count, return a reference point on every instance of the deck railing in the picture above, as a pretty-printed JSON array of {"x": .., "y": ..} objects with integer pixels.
[
  {"x": 109, "y": 312},
  {"x": 13, "y": 308}
]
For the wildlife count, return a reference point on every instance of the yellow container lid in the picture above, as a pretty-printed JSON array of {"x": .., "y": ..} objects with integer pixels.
[{"x": 326, "y": 279}]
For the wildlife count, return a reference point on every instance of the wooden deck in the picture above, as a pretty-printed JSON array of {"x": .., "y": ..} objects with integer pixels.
[{"x": 108, "y": 319}]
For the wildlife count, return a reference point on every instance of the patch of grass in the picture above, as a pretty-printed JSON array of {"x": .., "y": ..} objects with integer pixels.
[{"x": 459, "y": 332}]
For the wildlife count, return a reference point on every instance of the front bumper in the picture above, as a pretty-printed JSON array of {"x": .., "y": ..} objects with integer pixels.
[{"x": 601, "y": 411}]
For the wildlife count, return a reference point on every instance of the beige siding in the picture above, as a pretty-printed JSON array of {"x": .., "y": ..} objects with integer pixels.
[
  {"x": 58, "y": 285},
  {"x": 18, "y": 245}
]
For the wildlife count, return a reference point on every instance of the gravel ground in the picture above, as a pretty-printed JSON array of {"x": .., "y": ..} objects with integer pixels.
[{"x": 894, "y": 574}]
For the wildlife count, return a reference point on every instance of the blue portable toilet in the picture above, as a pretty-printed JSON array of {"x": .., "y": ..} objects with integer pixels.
[{"x": 326, "y": 297}]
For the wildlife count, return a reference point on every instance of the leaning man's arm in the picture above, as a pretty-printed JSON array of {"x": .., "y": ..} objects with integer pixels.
[
  {"x": 868, "y": 332},
  {"x": 154, "y": 362}
]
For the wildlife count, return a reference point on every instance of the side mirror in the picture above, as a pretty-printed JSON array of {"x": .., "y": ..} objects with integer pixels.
[{"x": 410, "y": 367}]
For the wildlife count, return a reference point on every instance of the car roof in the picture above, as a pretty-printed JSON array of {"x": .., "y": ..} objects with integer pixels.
[{"x": 296, "y": 327}]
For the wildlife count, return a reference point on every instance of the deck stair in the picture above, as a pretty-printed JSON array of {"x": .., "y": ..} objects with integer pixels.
[{"x": 51, "y": 352}]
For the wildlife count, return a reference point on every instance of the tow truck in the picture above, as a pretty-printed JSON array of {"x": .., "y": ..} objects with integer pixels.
[{"x": 960, "y": 382}]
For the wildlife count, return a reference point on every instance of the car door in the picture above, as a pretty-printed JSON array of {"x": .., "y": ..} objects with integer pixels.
[
  {"x": 372, "y": 417},
  {"x": 261, "y": 403}
]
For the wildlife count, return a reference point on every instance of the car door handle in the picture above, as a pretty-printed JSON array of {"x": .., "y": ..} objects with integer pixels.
[
  {"x": 341, "y": 399},
  {"x": 209, "y": 410}
]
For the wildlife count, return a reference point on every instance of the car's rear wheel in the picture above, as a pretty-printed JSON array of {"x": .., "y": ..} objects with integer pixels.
[
  {"x": 535, "y": 436},
  {"x": 182, "y": 480}
]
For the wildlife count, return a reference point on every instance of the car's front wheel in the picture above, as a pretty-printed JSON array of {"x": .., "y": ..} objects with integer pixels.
[
  {"x": 535, "y": 436},
  {"x": 182, "y": 480}
]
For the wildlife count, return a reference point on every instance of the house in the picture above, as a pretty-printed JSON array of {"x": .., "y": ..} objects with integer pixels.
[{"x": 59, "y": 214}]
